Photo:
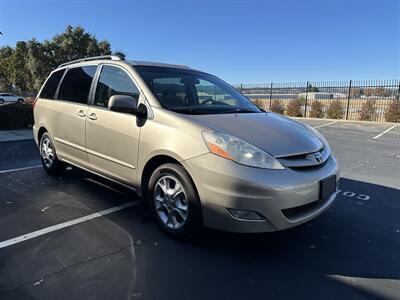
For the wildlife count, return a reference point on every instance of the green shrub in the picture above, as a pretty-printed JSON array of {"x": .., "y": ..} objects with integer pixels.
[
  {"x": 317, "y": 109},
  {"x": 392, "y": 112},
  {"x": 294, "y": 108},
  {"x": 277, "y": 107},
  {"x": 15, "y": 115},
  {"x": 368, "y": 111},
  {"x": 335, "y": 110}
]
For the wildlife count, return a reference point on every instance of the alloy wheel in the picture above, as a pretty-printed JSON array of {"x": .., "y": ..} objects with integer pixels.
[
  {"x": 170, "y": 202},
  {"x": 47, "y": 152}
]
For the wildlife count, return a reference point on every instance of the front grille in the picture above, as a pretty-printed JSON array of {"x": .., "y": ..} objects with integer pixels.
[
  {"x": 294, "y": 213},
  {"x": 305, "y": 168},
  {"x": 307, "y": 160}
]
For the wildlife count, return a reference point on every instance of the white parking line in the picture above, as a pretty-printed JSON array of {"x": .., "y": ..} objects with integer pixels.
[
  {"x": 46, "y": 230},
  {"x": 330, "y": 123},
  {"x": 386, "y": 131},
  {"x": 19, "y": 169}
]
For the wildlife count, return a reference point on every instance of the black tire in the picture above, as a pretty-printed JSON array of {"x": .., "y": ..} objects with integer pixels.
[
  {"x": 1, "y": 101},
  {"x": 53, "y": 166},
  {"x": 20, "y": 101},
  {"x": 193, "y": 224}
]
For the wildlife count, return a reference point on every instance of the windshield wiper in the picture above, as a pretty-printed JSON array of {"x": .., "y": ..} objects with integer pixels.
[
  {"x": 239, "y": 111},
  {"x": 192, "y": 111}
]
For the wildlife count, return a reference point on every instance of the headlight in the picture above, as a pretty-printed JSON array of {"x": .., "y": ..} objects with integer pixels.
[
  {"x": 235, "y": 149},
  {"x": 320, "y": 136}
]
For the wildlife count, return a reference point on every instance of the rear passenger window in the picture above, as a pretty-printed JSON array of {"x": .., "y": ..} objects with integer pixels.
[
  {"x": 113, "y": 81},
  {"x": 49, "y": 90},
  {"x": 76, "y": 84}
]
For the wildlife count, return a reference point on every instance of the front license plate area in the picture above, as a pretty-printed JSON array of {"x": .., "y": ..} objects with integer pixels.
[{"x": 327, "y": 187}]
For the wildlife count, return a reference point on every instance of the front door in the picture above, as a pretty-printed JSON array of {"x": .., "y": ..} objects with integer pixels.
[{"x": 112, "y": 138}]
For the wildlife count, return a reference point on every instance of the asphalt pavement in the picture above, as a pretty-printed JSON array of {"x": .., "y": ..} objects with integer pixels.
[{"x": 81, "y": 237}]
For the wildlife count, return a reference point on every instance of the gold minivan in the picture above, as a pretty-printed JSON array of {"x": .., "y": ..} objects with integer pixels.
[{"x": 190, "y": 144}]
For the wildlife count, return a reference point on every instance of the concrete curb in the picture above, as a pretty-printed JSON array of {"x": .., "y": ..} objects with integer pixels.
[{"x": 15, "y": 135}]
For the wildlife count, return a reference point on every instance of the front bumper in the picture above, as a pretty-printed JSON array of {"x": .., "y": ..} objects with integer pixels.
[{"x": 223, "y": 184}]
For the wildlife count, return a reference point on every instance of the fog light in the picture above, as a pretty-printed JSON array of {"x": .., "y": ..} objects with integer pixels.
[{"x": 244, "y": 214}]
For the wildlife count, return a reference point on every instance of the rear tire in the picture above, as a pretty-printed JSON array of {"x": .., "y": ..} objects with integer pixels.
[
  {"x": 174, "y": 202},
  {"x": 1, "y": 101},
  {"x": 48, "y": 155},
  {"x": 20, "y": 101}
]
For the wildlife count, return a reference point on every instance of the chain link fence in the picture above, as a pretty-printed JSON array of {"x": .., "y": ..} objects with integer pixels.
[{"x": 366, "y": 100}]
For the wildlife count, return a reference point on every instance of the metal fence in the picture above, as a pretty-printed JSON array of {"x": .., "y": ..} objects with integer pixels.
[{"x": 368, "y": 100}]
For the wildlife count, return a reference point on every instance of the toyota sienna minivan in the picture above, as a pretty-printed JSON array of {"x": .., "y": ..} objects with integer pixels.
[{"x": 191, "y": 145}]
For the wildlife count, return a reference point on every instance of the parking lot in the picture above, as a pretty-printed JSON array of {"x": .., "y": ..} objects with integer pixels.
[{"x": 81, "y": 237}]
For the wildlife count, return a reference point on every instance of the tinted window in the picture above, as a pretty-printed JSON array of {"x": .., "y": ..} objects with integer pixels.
[
  {"x": 193, "y": 92},
  {"x": 76, "y": 84},
  {"x": 171, "y": 90},
  {"x": 49, "y": 90},
  {"x": 113, "y": 81}
]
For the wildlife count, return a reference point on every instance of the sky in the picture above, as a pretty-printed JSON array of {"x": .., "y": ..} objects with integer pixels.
[{"x": 240, "y": 41}]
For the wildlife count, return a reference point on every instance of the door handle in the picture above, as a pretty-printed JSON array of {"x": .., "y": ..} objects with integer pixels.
[
  {"x": 92, "y": 116},
  {"x": 80, "y": 113}
]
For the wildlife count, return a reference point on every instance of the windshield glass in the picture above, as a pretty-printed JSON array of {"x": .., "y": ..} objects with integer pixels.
[{"x": 192, "y": 92}]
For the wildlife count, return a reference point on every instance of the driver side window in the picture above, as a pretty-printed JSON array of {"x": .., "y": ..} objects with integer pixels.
[
  {"x": 207, "y": 91},
  {"x": 113, "y": 81}
]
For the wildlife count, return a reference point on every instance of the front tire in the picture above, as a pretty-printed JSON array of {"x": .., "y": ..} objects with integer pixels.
[
  {"x": 174, "y": 201},
  {"x": 48, "y": 155},
  {"x": 20, "y": 101}
]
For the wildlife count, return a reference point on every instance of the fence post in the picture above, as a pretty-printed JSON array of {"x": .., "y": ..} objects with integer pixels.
[
  {"x": 270, "y": 97},
  {"x": 348, "y": 100},
  {"x": 305, "y": 104},
  {"x": 241, "y": 88},
  {"x": 398, "y": 100}
]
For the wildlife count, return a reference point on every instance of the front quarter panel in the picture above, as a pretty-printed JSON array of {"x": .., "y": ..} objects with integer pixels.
[{"x": 169, "y": 134}]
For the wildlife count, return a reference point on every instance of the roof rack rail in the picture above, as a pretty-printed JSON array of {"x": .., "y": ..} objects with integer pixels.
[{"x": 111, "y": 57}]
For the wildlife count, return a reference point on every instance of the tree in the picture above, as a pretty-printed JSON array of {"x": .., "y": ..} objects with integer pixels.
[
  {"x": 39, "y": 62},
  {"x": 311, "y": 88},
  {"x": 21, "y": 77},
  {"x": 27, "y": 66},
  {"x": 6, "y": 54},
  {"x": 120, "y": 53},
  {"x": 75, "y": 43}
]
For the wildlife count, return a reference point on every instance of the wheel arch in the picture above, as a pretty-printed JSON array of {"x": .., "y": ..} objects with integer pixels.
[
  {"x": 151, "y": 165},
  {"x": 41, "y": 131}
]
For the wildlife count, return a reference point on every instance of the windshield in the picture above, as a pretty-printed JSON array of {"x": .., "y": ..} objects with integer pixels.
[{"x": 192, "y": 92}]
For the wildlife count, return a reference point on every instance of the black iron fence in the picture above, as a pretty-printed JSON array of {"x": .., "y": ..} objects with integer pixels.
[
  {"x": 373, "y": 100},
  {"x": 368, "y": 100}
]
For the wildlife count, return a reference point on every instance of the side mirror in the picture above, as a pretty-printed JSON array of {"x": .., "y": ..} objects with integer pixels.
[{"x": 126, "y": 104}]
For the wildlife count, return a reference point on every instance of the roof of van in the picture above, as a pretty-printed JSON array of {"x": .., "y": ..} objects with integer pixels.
[
  {"x": 157, "y": 64},
  {"x": 121, "y": 59}
]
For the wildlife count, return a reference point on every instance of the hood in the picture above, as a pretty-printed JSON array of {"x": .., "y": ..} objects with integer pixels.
[{"x": 270, "y": 132}]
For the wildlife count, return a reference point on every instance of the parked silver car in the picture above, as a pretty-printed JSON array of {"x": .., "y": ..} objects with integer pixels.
[
  {"x": 195, "y": 148},
  {"x": 6, "y": 97}
]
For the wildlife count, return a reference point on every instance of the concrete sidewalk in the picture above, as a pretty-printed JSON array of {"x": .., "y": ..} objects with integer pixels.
[{"x": 15, "y": 135}]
